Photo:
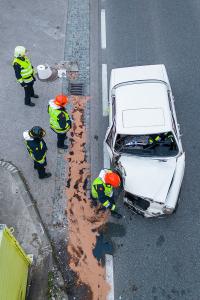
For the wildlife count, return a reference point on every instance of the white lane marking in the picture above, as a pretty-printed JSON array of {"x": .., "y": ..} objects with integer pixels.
[
  {"x": 103, "y": 29},
  {"x": 104, "y": 90},
  {"x": 109, "y": 276},
  {"x": 108, "y": 257},
  {"x": 106, "y": 158}
]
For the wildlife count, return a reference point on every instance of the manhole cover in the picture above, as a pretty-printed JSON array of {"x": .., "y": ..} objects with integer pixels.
[{"x": 76, "y": 89}]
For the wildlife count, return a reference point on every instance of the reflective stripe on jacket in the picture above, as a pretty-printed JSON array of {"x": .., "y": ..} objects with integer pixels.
[
  {"x": 155, "y": 139},
  {"x": 27, "y": 70},
  {"x": 107, "y": 204},
  {"x": 39, "y": 150},
  {"x": 54, "y": 119}
]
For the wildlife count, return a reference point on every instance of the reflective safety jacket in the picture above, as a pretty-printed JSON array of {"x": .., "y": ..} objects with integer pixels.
[
  {"x": 23, "y": 69},
  {"x": 37, "y": 149},
  {"x": 103, "y": 193},
  {"x": 163, "y": 137},
  {"x": 154, "y": 139},
  {"x": 59, "y": 119}
]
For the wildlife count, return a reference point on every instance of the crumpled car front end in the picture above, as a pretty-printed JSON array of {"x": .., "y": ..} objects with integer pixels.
[{"x": 152, "y": 187}]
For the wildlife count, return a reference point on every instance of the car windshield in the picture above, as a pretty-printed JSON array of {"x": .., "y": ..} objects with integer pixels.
[{"x": 162, "y": 144}]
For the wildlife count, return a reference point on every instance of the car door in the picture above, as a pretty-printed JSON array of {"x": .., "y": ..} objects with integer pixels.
[{"x": 109, "y": 139}]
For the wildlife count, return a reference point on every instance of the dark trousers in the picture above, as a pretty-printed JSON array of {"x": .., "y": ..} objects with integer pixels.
[
  {"x": 29, "y": 92},
  {"x": 40, "y": 168},
  {"x": 61, "y": 138}
]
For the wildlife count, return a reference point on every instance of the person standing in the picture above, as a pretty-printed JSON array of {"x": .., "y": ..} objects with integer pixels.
[
  {"x": 60, "y": 121},
  {"x": 37, "y": 149},
  {"x": 24, "y": 73},
  {"x": 102, "y": 190}
]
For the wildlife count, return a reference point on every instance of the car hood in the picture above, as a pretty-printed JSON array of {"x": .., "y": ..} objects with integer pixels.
[{"x": 147, "y": 177}]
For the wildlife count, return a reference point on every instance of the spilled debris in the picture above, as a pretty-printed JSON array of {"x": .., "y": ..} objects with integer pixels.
[{"x": 83, "y": 220}]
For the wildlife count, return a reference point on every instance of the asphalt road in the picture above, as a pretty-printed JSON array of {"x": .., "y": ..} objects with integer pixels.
[{"x": 159, "y": 259}]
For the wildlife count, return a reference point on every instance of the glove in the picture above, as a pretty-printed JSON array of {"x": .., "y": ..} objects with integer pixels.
[
  {"x": 23, "y": 84},
  {"x": 34, "y": 78}
]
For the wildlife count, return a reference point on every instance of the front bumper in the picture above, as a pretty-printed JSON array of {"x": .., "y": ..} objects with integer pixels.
[{"x": 141, "y": 206}]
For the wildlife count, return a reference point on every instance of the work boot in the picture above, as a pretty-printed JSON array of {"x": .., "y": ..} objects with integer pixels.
[
  {"x": 35, "y": 96},
  {"x": 63, "y": 147},
  {"x": 30, "y": 104},
  {"x": 46, "y": 175}
]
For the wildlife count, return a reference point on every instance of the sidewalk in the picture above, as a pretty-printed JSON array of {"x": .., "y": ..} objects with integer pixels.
[
  {"x": 18, "y": 211},
  {"x": 40, "y": 27}
]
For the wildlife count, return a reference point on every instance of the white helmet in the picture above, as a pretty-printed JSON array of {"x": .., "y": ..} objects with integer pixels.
[{"x": 19, "y": 51}]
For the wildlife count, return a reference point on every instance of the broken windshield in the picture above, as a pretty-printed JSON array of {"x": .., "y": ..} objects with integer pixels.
[{"x": 163, "y": 144}]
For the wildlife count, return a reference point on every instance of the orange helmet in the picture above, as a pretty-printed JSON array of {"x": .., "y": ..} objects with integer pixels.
[
  {"x": 61, "y": 100},
  {"x": 112, "y": 179}
]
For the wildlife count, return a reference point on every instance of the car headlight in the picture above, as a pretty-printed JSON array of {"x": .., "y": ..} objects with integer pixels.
[{"x": 168, "y": 210}]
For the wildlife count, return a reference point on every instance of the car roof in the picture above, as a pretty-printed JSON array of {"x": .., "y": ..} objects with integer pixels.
[{"x": 142, "y": 108}]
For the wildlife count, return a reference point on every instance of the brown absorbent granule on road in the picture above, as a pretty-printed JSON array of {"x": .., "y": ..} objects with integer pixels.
[{"x": 83, "y": 220}]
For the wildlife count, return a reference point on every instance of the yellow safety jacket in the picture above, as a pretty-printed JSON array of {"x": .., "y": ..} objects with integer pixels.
[
  {"x": 37, "y": 152},
  {"x": 54, "y": 122},
  {"x": 27, "y": 70},
  {"x": 108, "y": 191}
]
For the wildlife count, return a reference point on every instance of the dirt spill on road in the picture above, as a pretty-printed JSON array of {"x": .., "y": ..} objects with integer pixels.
[{"x": 83, "y": 220}]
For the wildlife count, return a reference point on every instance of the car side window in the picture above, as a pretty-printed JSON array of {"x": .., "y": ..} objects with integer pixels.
[{"x": 111, "y": 135}]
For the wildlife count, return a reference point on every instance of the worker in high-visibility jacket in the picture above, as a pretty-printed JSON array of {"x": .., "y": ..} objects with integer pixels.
[
  {"x": 24, "y": 73},
  {"x": 166, "y": 137},
  {"x": 102, "y": 190},
  {"x": 60, "y": 121},
  {"x": 37, "y": 149}
]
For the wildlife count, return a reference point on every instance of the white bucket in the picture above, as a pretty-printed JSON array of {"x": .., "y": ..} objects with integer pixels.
[{"x": 44, "y": 71}]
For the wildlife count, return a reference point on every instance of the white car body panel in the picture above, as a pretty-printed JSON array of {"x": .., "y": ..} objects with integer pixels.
[
  {"x": 144, "y": 105},
  {"x": 142, "y": 108},
  {"x": 138, "y": 73},
  {"x": 148, "y": 178},
  {"x": 177, "y": 181}
]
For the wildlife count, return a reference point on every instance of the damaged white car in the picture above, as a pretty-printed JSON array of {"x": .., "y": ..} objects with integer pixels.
[{"x": 143, "y": 139}]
